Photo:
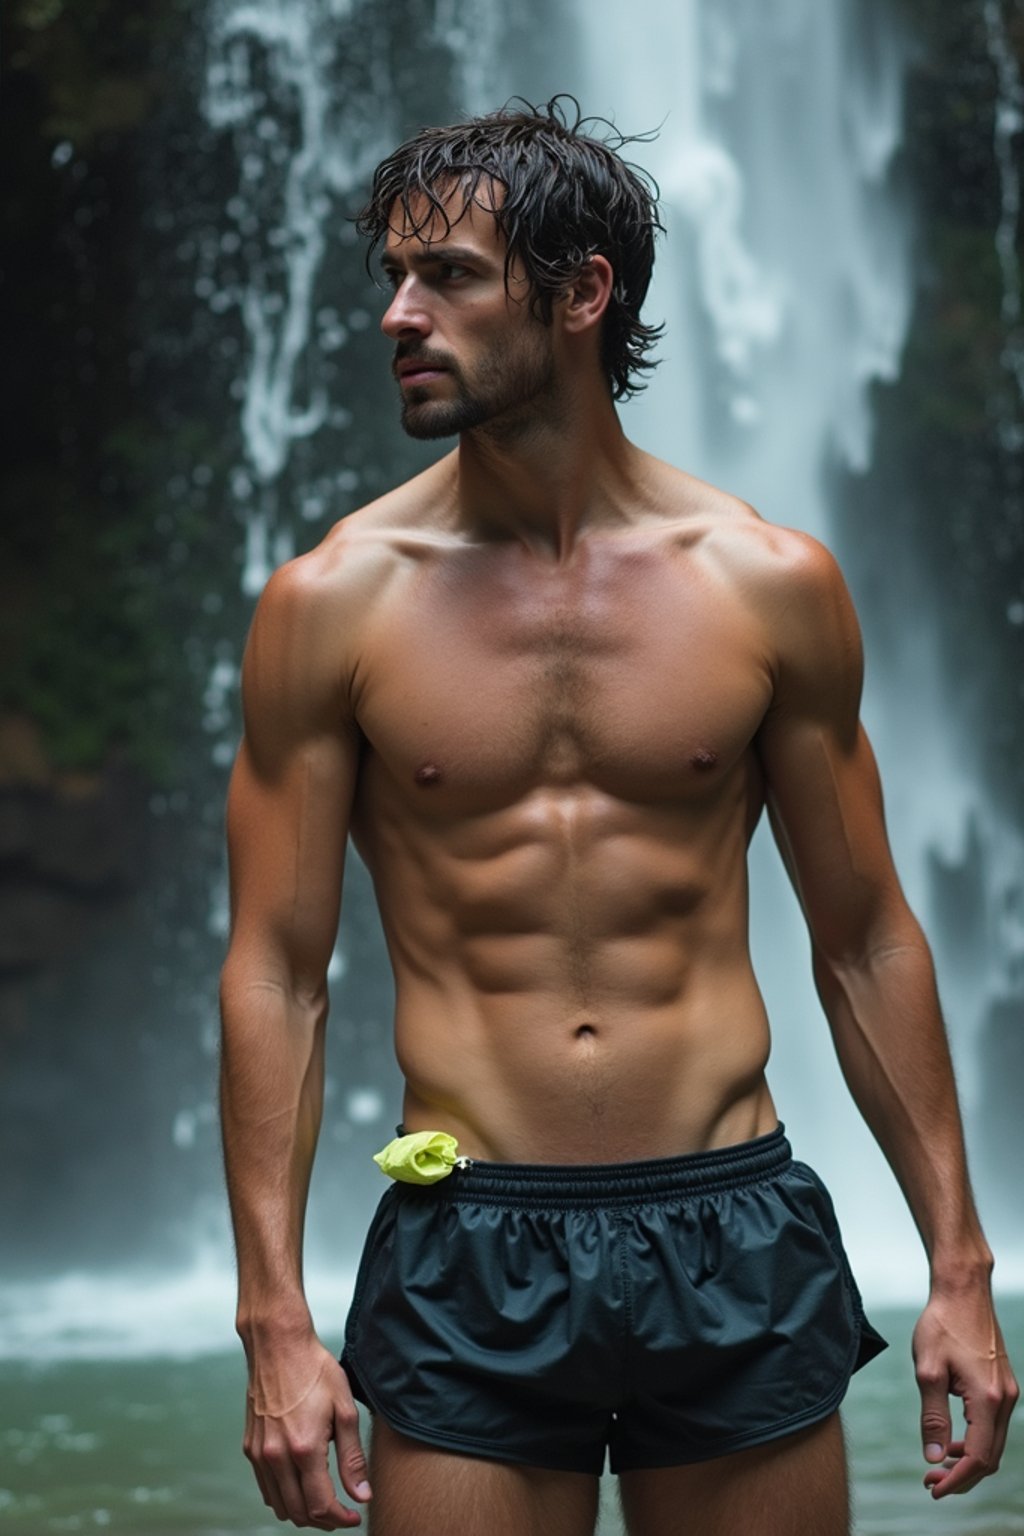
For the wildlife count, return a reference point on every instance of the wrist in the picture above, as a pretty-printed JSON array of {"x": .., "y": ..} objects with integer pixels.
[
  {"x": 960, "y": 1270},
  {"x": 274, "y": 1323}
]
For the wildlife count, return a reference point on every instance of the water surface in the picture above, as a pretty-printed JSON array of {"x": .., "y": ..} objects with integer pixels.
[{"x": 142, "y": 1446}]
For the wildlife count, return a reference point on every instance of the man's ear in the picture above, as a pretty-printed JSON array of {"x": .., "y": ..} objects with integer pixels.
[{"x": 587, "y": 297}]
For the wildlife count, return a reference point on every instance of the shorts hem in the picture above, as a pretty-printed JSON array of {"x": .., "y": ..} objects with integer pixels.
[
  {"x": 791, "y": 1425},
  {"x": 474, "y": 1445},
  {"x": 464, "y": 1445}
]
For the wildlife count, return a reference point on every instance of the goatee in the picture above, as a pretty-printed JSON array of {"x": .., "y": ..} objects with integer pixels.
[{"x": 505, "y": 396}]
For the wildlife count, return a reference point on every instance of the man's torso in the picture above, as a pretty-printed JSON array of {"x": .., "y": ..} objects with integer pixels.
[{"x": 558, "y": 782}]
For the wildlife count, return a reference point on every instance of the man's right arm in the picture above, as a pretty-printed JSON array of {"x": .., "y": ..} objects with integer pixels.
[{"x": 288, "y": 809}]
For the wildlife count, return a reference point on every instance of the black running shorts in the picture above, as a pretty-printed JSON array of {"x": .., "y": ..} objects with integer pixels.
[{"x": 670, "y": 1310}]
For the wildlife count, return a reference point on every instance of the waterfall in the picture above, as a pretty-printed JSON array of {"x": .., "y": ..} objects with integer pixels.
[
  {"x": 269, "y": 72},
  {"x": 785, "y": 280},
  {"x": 277, "y": 72}
]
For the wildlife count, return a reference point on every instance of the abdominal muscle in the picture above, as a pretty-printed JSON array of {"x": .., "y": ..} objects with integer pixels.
[{"x": 572, "y": 980}]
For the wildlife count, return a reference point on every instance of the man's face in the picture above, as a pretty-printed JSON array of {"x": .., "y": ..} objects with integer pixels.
[{"x": 467, "y": 353}]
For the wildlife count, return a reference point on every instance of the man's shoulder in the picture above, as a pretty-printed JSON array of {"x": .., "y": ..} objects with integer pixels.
[
  {"x": 318, "y": 612},
  {"x": 782, "y": 561},
  {"x": 734, "y": 534},
  {"x": 794, "y": 588},
  {"x": 353, "y": 565}
]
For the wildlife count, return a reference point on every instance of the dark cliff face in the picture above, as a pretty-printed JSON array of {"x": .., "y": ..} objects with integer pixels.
[
  {"x": 945, "y": 494},
  {"x": 119, "y": 578},
  {"x": 122, "y": 541},
  {"x": 939, "y": 519},
  {"x": 70, "y": 844},
  {"x": 122, "y": 616}
]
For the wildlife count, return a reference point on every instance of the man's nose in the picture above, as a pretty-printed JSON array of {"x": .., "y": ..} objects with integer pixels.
[{"x": 406, "y": 312}]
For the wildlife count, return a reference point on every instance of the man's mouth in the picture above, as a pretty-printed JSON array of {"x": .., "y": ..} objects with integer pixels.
[{"x": 413, "y": 371}]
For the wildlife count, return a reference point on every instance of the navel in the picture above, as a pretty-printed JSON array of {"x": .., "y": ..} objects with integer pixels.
[
  {"x": 703, "y": 759},
  {"x": 427, "y": 774}
]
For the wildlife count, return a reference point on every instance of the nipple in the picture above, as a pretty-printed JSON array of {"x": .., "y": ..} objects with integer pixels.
[
  {"x": 427, "y": 774},
  {"x": 704, "y": 759}
]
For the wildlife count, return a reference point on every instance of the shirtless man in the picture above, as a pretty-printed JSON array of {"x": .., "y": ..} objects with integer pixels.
[{"x": 548, "y": 686}]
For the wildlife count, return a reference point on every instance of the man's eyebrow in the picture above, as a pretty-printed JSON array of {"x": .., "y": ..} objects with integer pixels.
[{"x": 447, "y": 253}]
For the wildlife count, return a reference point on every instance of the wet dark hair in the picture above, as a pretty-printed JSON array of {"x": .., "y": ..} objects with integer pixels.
[{"x": 568, "y": 197}]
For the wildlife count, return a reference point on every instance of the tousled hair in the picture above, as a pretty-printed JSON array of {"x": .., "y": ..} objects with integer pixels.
[{"x": 567, "y": 197}]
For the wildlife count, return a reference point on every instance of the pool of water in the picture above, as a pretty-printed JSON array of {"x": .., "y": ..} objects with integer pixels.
[{"x": 143, "y": 1446}]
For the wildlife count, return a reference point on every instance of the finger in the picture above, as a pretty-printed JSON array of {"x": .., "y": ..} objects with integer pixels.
[
  {"x": 1010, "y": 1392},
  {"x": 937, "y": 1474},
  {"x": 936, "y": 1426},
  {"x": 961, "y": 1478},
  {"x": 278, "y": 1464},
  {"x": 981, "y": 1444},
  {"x": 968, "y": 1462},
  {"x": 252, "y": 1446},
  {"x": 271, "y": 1496},
  {"x": 326, "y": 1511},
  {"x": 348, "y": 1448}
]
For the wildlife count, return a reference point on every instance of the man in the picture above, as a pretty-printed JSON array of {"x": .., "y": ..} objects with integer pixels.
[{"x": 548, "y": 686}]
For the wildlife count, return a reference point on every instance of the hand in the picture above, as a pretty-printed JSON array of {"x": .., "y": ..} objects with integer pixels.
[
  {"x": 959, "y": 1349},
  {"x": 298, "y": 1402}
]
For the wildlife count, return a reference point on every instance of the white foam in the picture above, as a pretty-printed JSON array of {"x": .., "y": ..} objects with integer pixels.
[
  {"x": 85, "y": 1315},
  {"x": 90, "y": 1316}
]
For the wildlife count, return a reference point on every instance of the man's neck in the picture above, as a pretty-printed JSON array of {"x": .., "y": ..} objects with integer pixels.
[{"x": 550, "y": 482}]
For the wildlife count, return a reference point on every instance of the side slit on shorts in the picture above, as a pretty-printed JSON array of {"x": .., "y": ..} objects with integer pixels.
[{"x": 665, "y": 1311}]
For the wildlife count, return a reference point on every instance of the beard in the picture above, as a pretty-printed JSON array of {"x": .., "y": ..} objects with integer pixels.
[{"x": 503, "y": 396}]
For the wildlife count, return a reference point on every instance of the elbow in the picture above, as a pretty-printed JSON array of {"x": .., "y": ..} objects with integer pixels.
[
  {"x": 269, "y": 980},
  {"x": 863, "y": 979},
  {"x": 867, "y": 933},
  {"x": 885, "y": 941}
]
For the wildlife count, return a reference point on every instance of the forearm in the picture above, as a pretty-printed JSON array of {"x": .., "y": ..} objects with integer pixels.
[
  {"x": 271, "y": 1091},
  {"x": 892, "y": 1047}
]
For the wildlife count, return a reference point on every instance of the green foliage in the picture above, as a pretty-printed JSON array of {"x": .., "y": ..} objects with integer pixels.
[
  {"x": 90, "y": 613},
  {"x": 952, "y": 365},
  {"x": 92, "y": 63},
  {"x": 88, "y": 637}
]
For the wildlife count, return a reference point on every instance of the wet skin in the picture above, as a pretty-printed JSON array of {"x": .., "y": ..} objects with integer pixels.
[
  {"x": 558, "y": 775},
  {"x": 559, "y": 854}
]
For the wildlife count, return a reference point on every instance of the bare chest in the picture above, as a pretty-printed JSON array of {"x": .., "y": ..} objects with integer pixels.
[{"x": 642, "y": 677}]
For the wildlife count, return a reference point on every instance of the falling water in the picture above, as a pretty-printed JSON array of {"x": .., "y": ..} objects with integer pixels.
[
  {"x": 1009, "y": 124},
  {"x": 260, "y": 55},
  {"x": 786, "y": 285},
  {"x": 785, "y": 281}
]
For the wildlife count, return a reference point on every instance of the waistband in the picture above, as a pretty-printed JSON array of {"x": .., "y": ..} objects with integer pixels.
[{"x": 587, "y": 1185}]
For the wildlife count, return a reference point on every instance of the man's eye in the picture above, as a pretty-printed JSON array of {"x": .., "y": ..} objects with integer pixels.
[{"x": 451, "y": 269}]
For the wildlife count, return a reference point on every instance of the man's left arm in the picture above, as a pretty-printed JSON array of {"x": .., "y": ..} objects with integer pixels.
[{"x": 874, "y": 974}]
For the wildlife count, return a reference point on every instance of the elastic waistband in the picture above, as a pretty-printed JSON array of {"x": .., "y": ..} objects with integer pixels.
[{"x": 582, "y": 1185}]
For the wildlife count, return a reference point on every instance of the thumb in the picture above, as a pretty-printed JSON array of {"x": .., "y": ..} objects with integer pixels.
[
  {"x": 349, "y": 1451},
  {"x": 936, "y": 1426}
]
